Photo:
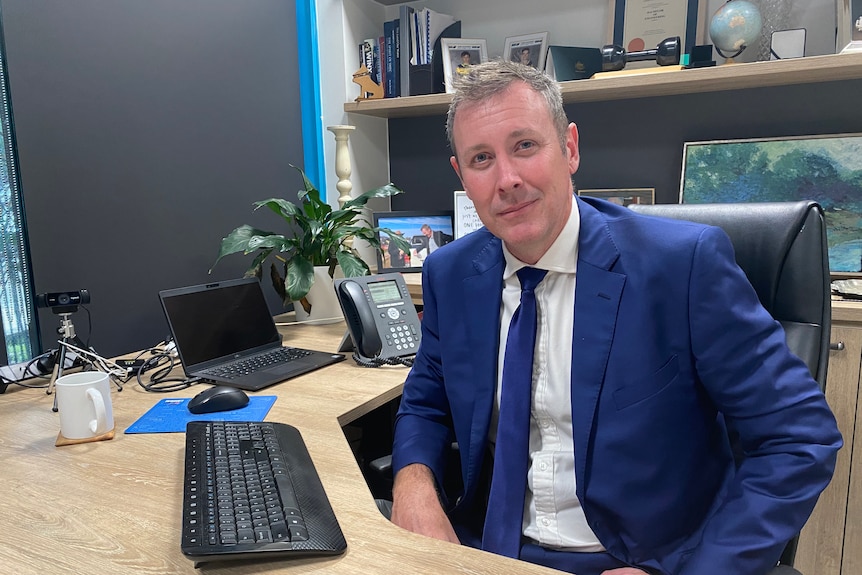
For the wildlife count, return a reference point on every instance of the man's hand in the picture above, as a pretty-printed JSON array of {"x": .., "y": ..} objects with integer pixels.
[
  {"x": 415, "y": 506},
  {"x": 625, "y": 571}
]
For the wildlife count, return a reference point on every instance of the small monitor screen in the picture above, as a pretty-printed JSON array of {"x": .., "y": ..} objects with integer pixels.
[{"x": 382, "y": 292}]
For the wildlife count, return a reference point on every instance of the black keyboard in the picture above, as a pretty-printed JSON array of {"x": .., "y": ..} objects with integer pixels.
[
  {"x": 258, "y": 362},
  {"x": 250, "y": 491}
]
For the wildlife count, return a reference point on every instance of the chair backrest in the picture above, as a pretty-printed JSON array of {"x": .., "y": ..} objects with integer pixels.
[{"x": 782, "y": 248}]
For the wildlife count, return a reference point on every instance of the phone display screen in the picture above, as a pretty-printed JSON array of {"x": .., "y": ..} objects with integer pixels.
[{"x": 382, "y": 292}]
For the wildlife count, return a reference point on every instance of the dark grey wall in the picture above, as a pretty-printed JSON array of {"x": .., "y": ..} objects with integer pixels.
[
  {"x": 636, "y": 143},
  {"x": 146, "y": 129}
]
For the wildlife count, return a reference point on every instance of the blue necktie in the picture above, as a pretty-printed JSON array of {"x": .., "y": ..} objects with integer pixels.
[{"x": 502, "y": 533}]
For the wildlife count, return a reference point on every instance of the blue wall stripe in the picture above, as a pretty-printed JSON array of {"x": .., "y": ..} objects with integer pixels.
[{"x": 309, "y": 94}]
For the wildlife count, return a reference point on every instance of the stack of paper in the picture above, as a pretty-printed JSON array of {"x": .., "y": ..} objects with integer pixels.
[{"x": 427, "y": 27}]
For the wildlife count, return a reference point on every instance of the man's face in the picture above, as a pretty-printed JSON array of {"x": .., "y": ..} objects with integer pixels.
[
  {"x": 465, "y": 59},
  {"x": 427, "y": 232},
  {"x": 512, "y": 168},
  {"x": 525, "y": 56}
]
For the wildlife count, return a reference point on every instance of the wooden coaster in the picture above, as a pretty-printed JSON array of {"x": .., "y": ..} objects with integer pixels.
[{"x": 65, "y": 441}]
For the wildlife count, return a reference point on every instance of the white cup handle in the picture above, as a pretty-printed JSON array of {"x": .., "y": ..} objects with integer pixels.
[{"x": 98, "y": 425}]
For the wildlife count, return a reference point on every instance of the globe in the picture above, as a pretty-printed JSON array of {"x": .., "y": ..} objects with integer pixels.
[{"x": 735, "y": 26}]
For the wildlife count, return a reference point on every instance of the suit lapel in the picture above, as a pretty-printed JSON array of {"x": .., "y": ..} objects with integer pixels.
[{"x": 597, "y": 298}]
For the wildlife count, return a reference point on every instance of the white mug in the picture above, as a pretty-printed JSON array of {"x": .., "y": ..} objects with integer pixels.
[{"x": 84, "y": 403}]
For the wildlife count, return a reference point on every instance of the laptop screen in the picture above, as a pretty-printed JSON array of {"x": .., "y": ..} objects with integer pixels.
[{"x": 218, "y": 320}]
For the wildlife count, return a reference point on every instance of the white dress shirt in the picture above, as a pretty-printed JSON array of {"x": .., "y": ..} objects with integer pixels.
[{"x": 553, "y": 516}]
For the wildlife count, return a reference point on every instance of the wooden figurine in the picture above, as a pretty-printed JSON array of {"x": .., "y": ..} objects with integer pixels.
[{"x": 369, "y": 89}]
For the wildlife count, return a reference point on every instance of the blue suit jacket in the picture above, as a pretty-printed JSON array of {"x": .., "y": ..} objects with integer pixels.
[{"x": 670, "y": 348}]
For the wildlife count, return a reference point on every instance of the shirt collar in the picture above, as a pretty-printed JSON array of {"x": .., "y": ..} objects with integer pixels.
[{"x": 561, "y": 257}]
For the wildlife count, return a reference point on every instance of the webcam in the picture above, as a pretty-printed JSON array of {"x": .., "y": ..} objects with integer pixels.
[{"x": 63, "y": 299}]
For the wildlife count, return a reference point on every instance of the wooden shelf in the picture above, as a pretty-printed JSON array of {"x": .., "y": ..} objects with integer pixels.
[{"x": 809, "y": 70}]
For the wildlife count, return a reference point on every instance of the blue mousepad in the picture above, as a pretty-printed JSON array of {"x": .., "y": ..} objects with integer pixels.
[{"x": 171, "y": 414}]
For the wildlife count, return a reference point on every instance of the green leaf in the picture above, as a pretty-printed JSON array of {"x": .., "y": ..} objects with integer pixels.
[
  {"x": 351, "y": 265},
  {"x": 381, "y": 192},
  {"x": 237, "y": 241},
  {"x": 300, "y": 276},
  {"x": 287, "y": 210},
  {"x": 274, "y": 241},
  {"x": 306, "y": 182},
  {"x": 399, "y": 240}
]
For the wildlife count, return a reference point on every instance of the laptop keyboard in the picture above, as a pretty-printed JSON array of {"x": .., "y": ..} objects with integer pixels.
[
  {"x": 252, "y": 364},
  {"x": 251, "y": 490}
]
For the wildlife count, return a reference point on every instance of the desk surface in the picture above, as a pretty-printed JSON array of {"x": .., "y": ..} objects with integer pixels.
[{"x": 114, "y": 506}]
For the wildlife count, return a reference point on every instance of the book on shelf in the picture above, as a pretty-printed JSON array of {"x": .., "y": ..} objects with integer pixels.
[
  {"x": 566, "y": 63},
  {"x": 369, "y": 56},
  {"x": 391, "y": 88},
  {"x": 380, "y": 62}
]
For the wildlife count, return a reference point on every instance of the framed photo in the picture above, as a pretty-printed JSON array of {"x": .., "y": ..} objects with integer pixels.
[
  {"x": 529, "y": 49},
  {"x": 466, "y": 218},
  {"x": 823, "y": 168},
  {"x": 637, "y": 25},
  {"x": 459, "y": 54},
  {"x": 622, "y": 196},
  {"x": 849, "y": 37},
  {"x": 426, "y": 231}
]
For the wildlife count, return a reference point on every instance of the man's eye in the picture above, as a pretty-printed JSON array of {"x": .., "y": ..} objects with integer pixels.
[
  {"x": 526, "y": 145},
  {"x": 479, "y": 158}
]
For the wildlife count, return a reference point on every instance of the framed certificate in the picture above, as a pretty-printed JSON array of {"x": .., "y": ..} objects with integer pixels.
[
  {"x": 849, "y": 16},
  {"x": 641, "y": 24}
]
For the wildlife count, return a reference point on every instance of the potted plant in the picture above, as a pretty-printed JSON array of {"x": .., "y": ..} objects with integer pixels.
[{"x": 317, "y": 236}]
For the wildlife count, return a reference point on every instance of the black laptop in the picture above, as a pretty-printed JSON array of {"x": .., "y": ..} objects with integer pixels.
[{"x": 224, "y": 333}]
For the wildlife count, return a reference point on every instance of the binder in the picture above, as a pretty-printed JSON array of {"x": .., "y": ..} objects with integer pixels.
[
  {"x": 572, "y": 63},
  {"x": 405, "y": 23}
]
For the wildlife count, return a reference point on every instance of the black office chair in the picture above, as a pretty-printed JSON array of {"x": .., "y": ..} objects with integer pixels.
[{"x": 782, "y": 249}]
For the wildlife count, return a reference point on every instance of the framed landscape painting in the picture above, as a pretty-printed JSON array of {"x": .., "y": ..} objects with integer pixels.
[{"x": 825, "y": 168}]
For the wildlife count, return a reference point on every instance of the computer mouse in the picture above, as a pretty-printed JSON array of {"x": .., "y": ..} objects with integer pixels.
[{"x": 218, "y": 398}]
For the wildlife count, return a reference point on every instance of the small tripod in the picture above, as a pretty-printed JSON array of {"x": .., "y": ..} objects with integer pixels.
[
  {"x": 70, "y": 340},
  {"x": 67, "y": 331}
]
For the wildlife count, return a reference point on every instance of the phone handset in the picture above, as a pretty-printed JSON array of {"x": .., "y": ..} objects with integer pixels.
[
  {"x": 360, "y": 319},
  {"x": 381, "y": 319}
]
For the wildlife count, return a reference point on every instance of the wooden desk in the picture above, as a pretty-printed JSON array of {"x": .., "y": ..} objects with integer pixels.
[{"x": 113, "y": 507}]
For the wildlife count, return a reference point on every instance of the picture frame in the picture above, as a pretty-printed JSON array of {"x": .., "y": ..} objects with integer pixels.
[
  {"x": 849, "y": 26},
  {"x": 455, "y": 50},
  {"x": 529, "y": 49},
  {"x": 640, "y": 26},
  {"x": 466, "y": 218},
  {"x": 622, "y": 196},
  {"x": 824, "y": 168},
  {"x": 409, "y": 225}
]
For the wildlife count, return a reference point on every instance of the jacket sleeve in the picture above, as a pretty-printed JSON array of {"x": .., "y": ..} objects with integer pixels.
[
  {"x": 788, "y": 434},
  {"x": 423, "y": 423}
]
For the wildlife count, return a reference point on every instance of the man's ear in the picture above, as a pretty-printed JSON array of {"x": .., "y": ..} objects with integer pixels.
[
  {"x": 454, "y": 161},
  {"x": 455, "y": 166},
  {"x": 572, "y": 151}
]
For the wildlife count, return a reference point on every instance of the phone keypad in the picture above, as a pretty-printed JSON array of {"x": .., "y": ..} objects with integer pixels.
[{"x": 402, "y": 337}]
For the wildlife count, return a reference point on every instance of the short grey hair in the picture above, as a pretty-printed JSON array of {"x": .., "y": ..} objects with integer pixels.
[{"x": 494, "y": 77}]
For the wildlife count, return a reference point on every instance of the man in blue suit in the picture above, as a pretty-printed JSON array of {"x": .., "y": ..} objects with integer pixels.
[{"x": 650, "y": 345}]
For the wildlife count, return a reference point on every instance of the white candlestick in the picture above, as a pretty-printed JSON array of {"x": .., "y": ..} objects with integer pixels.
[{"x": 342, "y": 161}]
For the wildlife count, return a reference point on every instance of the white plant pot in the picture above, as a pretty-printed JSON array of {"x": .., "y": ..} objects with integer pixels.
[{"x": 324, "y": 303}]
